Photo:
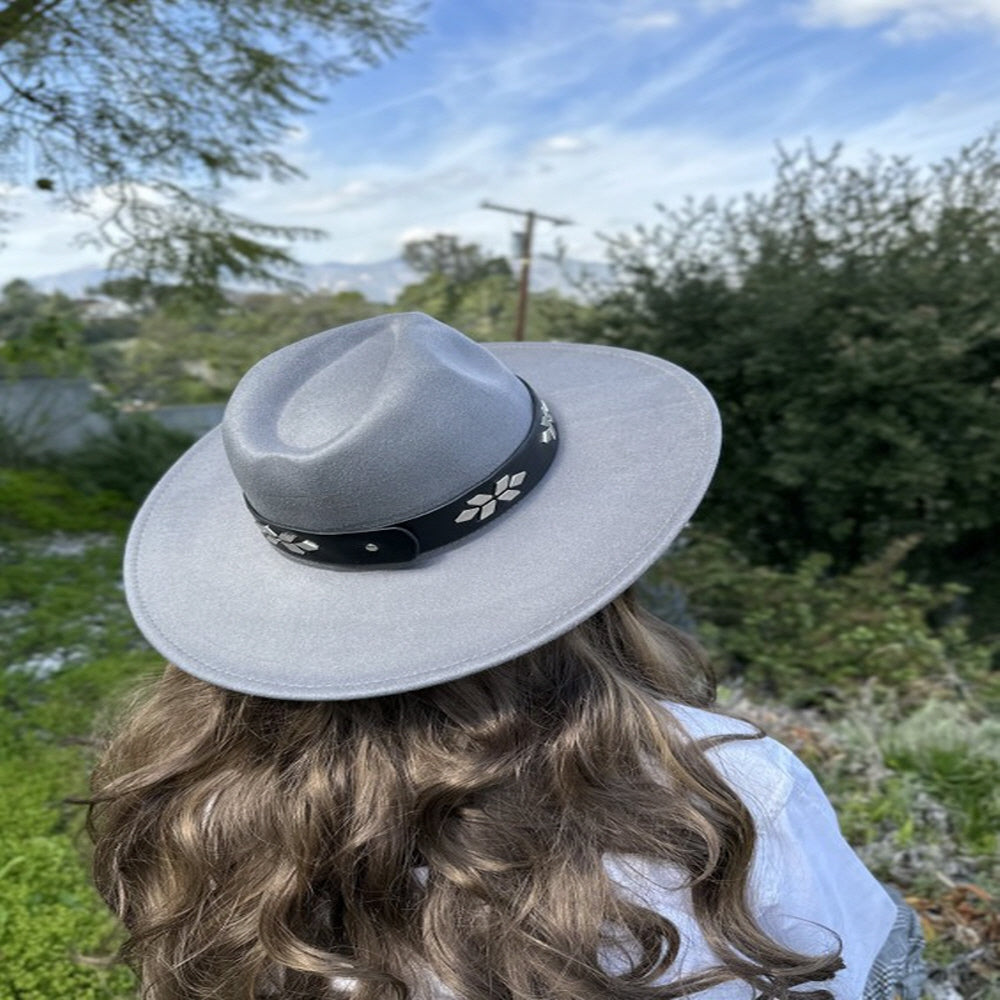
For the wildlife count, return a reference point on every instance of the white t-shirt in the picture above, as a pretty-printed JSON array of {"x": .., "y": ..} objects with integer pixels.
[{"x": 806, "y": 883}]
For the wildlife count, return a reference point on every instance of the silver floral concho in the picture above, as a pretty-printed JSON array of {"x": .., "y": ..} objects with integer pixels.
[
  {"x": 287, "y": 540},
  {"x": 548, "y": 425},
  {"x": 484, "y": 504}
]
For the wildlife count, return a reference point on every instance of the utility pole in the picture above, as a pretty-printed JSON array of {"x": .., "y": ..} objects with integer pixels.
[{"x": 529, "y": 216}]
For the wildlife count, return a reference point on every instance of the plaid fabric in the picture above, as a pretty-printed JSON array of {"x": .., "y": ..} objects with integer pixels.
[{"x": 898, "y": 972}]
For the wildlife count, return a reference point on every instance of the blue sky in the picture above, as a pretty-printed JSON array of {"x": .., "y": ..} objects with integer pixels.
[{"x": 596, "y": 110}]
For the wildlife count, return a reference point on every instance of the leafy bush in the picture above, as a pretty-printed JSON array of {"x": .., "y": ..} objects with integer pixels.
[
  {"x": 809, "y": 637},
  {"x": 39, "y": 334},
  {"x": 847, "y": 323},
  {"x": 129, "y": 459}
]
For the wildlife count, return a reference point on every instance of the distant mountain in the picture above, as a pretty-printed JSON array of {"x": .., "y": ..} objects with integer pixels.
[
  {"x": 379, "y": 281},
  {"x": 72, "y": 283}
]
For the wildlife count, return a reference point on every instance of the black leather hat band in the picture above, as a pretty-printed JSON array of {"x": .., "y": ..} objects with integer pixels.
[{"x": 475, "y": 508}]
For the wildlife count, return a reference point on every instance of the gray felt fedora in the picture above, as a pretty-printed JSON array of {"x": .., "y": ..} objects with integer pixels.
[{"x": 388, "y": 505}]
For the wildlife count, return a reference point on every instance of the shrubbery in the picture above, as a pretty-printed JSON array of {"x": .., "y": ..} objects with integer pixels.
[
  {"x": 808, "y": 636},
  {"x": 67, "y": 645},
  {"x": 129, "y": 459},
  {"x": 847, "y": 323},
  {"x": 955, "y": 749}
]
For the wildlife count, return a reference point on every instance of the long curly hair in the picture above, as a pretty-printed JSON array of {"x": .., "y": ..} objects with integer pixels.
[{"x": 455, "y": 836}]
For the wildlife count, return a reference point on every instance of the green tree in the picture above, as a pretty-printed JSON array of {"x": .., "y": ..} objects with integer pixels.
[
  {"x": 848, "y": 323},
  {"x": 39, "y": 333},
  {"x": 446, "y": 255},
  {"x": 477, "y": 294},
  {"x": 156, "y": 104},
  {"x": 20, "y": 305},
  {"x": 462, "y": 286},
  {"x": 198, "y": 356},
  {"x": 139, "y": 294}
]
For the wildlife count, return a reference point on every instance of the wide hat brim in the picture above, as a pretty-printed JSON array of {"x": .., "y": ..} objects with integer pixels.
[{"x": 638, "y": 442}]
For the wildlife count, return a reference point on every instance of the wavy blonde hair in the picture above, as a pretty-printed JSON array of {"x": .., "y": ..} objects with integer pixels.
[{"x": 257, "y": 848}]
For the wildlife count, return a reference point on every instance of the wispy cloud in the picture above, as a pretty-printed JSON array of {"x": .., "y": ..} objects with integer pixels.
[
  {"x": 654, "y": 20},
  {"x": 564, "y": 144},
  {"x": 903, "y": 20}
]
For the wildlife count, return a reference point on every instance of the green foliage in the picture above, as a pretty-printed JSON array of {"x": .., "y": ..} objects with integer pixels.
[
  {"x": 39, "y": 334},
  {"x": 485, "y": 308},
  {"x": 194, "y": 355},
  {"x": 107, "y": 475},
  {"x": 869, "y": 814},
  {"x": 43, "y": 500},
  {"x": 55, "y": 935},
  {"x": 129, "y": 459},
  {"x": 142, "y": 296},
  {"x": 958, "y": 759},
  {"x": 462, "y": 286},
  {"x": 67, "y": 646},
  {"x": 808, "y": 636},
  {"x": 175, "y": 347},
  {"x": 848, "y": 323},
  {"x": 105, "y": 329},
  {"x": 41, "y": 340},
  {"x": 552, "y": 316},
  {"x": 213, "y": 88},
  {"x": 482, "y": 308},
  {"x": 477, "y": 294},
  {"x": 20, "y": 305},
  {"x": 133, "y": 290},
  {"x": 446, "y": 255},
  {"x": 51, "y": 927}
]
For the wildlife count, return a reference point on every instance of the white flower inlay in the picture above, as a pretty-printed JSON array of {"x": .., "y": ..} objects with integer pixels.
[
  {"x": 287, "y": 540},
  {"x": 482, "y": 505},
  {"x": 548, "y": 425}
]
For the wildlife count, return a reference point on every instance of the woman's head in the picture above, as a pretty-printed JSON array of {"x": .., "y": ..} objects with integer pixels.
[{"x": 257, "y": 847}]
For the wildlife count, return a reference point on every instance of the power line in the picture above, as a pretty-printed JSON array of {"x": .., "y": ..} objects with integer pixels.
[{"x": 529, "y": 215}]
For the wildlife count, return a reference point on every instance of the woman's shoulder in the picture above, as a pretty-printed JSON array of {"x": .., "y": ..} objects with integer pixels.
[{"x": 761, "y": 770}]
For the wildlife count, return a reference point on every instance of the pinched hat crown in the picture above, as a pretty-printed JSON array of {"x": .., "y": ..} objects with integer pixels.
[{"x": 372, "y": 424}]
